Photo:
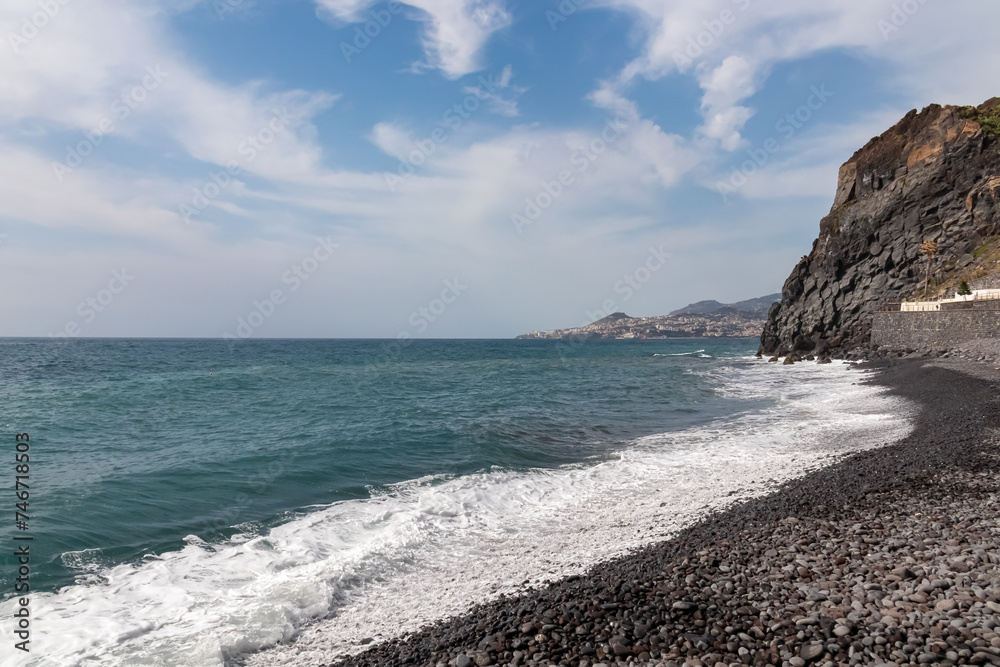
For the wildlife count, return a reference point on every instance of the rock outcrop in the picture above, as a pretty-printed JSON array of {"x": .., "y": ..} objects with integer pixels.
[{"x": 934, "y": 176}]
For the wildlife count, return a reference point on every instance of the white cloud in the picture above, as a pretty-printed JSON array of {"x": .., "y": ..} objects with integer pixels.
[
  {"x": 392, "y": 139},
  {"x": 453, "y": 217},
  {"x": 345, "y": 10},
  {"x": 607, "y": 96},
  {"x": 668, "y": 156},
  {"x": 502, "y": 100},
  {"x": 728, "y": 83},
  {"x": 455, "y": 31},
  {"x": 731, "y": 45},
  {"x": 725, "y": 86},
  {"x": 86, "y": 202},
  {"x": 808, "y": 164},
  {"x": 110, "y": 61},
  {"x": 725, "y": 125}
]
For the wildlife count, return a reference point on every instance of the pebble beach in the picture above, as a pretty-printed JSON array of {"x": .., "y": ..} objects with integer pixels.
[{"x": 891, "y": 556}]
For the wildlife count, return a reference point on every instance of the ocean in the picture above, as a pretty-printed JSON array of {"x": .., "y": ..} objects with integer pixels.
[{"x": 196, "y": 501}]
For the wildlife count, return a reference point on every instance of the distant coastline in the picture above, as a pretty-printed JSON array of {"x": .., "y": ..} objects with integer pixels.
[{"x": 704, "y": 319}]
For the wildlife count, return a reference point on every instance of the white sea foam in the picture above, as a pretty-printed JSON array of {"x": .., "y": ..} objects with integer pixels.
[
  {"x": 683, "y": 354},
  {"x": 432, "y": 547}
]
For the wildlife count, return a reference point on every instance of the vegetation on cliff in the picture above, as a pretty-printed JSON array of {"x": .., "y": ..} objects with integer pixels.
[{"x": 986, "y": 115}]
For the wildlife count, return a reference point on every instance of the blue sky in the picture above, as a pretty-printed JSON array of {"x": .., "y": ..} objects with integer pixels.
[{"x": 264, "y": 168}]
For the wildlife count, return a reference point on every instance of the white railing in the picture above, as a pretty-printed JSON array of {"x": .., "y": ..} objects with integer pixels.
[
  {"x": 919, "y": 306},
  {"x": 928, "y": 306}
]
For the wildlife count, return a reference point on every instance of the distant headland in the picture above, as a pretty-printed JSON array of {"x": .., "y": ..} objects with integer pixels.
[{"x": 743, "y": 319}]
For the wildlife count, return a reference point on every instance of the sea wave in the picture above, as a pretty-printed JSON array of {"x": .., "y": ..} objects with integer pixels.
[
  {"x": 427, "y": 549},
  {"x": 682, "y": 354}
]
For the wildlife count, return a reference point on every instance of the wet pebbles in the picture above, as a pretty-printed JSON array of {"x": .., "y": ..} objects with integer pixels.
[{"x": 889, "y": 557}]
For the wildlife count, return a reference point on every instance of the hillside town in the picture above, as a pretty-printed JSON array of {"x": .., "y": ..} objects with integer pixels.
[{"x": 708, "y": 319}]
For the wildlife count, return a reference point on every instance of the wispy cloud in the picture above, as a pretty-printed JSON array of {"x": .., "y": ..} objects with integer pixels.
[
  {"x": 501, "y": 95},
  {"x": 731, "y": 46},
  {"x": 455, "y": 31},
  {"x": 121, "y": 205}
]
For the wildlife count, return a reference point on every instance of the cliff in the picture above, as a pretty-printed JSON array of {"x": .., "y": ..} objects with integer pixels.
[{"x": 934, "y": 176}]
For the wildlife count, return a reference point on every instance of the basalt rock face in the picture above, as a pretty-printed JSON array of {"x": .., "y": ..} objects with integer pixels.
[{"x": 934, "y": 176}]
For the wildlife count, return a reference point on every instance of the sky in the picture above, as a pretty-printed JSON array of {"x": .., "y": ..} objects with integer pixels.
[{"x": 437, "y": 168}]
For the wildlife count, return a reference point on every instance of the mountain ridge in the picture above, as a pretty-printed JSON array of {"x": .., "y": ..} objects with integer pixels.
[
  {"x": 701, "y": 319},
  {"x": 759, "y": 305}
]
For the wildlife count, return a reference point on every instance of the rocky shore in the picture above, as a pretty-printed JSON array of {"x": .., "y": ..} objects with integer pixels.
[
  {"x": 916, "y": 213},
  {"x": 985, "y": 350},
  {"x": 890, "y": 557}
]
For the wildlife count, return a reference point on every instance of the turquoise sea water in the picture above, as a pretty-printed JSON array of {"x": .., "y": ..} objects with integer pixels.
[
  {"x": 138, "y": 444},
  {"x": 201, "y": 500}
]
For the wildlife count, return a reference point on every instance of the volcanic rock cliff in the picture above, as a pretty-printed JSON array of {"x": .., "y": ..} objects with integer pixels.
[{"x": 934, "y": 176}]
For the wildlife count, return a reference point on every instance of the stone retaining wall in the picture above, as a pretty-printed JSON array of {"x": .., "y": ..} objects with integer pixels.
[{"x": 942, "y": 329}]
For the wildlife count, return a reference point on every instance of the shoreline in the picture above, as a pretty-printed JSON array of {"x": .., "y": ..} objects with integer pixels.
[
  {"x": 528, "y": 528},
  {"x": 640, "y": 609}
]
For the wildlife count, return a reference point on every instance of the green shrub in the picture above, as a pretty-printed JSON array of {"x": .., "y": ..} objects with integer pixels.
[{"x": 989, "y": 120}]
